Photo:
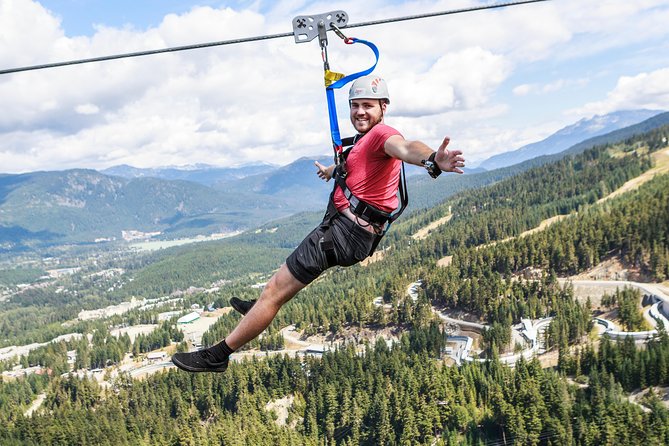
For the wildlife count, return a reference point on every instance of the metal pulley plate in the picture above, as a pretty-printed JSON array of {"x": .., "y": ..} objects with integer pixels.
[{"x": 305, "y": 27}]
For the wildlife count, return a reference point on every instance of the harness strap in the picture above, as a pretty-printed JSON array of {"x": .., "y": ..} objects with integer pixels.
[
  {"x": 359, "y": 207},
  {"x": 364, "y": 210},
  {"x": 327, "y": 242},
  {"x": 404, "y": 197}
]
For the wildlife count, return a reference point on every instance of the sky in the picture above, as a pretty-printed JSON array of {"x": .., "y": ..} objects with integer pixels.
[{"x": 492, "y": 80}]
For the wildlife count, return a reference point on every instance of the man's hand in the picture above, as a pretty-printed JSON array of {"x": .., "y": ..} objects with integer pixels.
[
  {"x": 324, "y": 173},
  {"x": 449, "y": 160}
]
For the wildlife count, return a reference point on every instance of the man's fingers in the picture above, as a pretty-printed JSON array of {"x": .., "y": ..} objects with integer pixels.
[
  {"x": 323, "y": 172},
  {"x": 445, "y": 143}
]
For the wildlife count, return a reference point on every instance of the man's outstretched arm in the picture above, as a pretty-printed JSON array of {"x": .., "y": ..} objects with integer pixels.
[{"x": 414, "y": 152}]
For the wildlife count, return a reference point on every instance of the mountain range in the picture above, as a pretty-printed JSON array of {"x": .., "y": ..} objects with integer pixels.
[
  {"x": 568, "y": 136},
  {"x": 199, "y": 173},
  {"x": 81, "y": 206}
]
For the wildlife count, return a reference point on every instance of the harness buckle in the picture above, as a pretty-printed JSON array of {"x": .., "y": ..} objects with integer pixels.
[{"x": 340, "y": 167}]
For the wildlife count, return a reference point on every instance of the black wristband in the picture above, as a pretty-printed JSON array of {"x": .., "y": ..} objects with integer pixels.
[{"x": 431, "y": 166}]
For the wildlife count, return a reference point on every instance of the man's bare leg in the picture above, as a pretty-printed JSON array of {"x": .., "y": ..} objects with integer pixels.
[{"x": 279, "y": 290}]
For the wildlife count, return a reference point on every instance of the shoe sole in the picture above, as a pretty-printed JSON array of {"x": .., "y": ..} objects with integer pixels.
[
  {"x": 188, "y": 368},
  {"x": 238, "y": 309}
]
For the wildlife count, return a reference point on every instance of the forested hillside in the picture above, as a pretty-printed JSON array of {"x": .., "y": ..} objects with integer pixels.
[
  {"x": 405, "y": 394},
  {"x": 83, "y": 205},
  {"x": 384, "y": 397}
]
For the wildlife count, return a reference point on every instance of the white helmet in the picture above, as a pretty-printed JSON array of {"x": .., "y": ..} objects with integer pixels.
[{"x": 369, "y": 87}]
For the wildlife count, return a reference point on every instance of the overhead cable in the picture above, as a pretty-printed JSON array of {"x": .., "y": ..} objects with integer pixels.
[
  {"x": 257, "y": 38},
  {"x": 450, "y": 12}
]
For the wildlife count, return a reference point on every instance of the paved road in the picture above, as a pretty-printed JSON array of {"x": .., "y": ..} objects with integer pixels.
[
  {"x": 150, "y": 368},
  {"x": 654, "y": 289},
  {"x": 658, "y": 291},
  {"x": 536, "y": 331}
]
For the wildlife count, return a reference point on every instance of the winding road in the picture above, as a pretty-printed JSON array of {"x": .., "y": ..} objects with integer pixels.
[{"x": 533, "y": 330}]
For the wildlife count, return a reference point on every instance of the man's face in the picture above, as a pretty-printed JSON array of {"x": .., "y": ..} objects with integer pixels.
[{"x": 366, "y": 113}]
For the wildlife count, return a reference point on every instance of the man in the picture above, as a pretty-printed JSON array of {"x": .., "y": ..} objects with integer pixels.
[{"x": 344, "y": 237}]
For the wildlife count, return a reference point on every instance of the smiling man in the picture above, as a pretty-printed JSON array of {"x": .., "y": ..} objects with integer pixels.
[{"x": 364, "y": 196}]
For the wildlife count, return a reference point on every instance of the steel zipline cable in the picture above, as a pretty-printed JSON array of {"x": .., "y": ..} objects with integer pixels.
[{"x": 257, "y": 38}]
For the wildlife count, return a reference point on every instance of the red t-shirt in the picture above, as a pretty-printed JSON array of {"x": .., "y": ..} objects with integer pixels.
[{"x": 373, "y": 176}]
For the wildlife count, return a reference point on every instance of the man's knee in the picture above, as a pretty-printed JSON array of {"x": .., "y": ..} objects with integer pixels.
[{"x": 281, "y": 287}]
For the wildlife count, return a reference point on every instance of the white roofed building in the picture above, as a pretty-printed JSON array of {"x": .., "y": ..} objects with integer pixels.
[{"x": 190, "y": 317}]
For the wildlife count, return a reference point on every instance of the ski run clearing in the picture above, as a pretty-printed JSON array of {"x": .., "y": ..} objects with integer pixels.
[{"x": 660, "y": 159}]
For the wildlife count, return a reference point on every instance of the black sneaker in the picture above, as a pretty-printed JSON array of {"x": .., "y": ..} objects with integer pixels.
[
  {"x": 242, "y": 306},
  {"x": 199, "y": 361}
]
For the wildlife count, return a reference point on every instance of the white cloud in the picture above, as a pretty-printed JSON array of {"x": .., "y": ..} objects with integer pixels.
[
  {"x": 645, "y": 90},
  {"x": 87, "y": 109},
  {"x": 551, "y": 87},
  {"x": 523, "y": 90},
  {"x": 461, "y": 80},
  {"x": 608, "y": 24},
  {"x": 29, "y": 33}
]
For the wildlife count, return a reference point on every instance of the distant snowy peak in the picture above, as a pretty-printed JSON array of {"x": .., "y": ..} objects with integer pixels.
[
  {"x": 573, "y": 134},
  {"x": 600, "y": 124}
]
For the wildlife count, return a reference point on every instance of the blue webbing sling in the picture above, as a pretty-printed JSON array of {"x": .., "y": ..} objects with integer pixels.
[{"x": 329, "y": 91}]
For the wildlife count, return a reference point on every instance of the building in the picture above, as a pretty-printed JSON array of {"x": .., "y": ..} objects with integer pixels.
[
  {"x": 189, "y": 318},
  {"x": 167, "y": 315},
  {"x": 315, "y": 350},
  {"x": 156, "y": 356}
]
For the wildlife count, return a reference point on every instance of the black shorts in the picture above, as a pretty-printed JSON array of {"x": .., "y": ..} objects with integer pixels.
[{"x": 352, "y": 244}]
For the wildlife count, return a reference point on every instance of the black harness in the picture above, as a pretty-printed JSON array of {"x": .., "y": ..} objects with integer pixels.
[{"x": 378, "y": 219}]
